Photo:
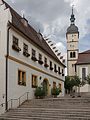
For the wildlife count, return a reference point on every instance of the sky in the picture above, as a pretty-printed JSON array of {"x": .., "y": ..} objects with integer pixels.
[{"x": 52, "y": 18}]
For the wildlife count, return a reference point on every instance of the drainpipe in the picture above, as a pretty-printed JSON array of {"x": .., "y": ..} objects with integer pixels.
[{"x": 6, "y": 100}]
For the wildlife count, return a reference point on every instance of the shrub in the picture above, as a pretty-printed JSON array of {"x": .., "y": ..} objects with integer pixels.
[
  {"x": 55, "y": 91},
  {"x": 39, "y": 92}
]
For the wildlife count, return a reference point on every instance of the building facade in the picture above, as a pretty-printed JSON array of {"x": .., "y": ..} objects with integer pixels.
[
  {"x": 72, "y": 37},
  {"x": 26, "y": 60},
  {"x": 83, "y": 68},
  {"x": 77, "y": 63}
]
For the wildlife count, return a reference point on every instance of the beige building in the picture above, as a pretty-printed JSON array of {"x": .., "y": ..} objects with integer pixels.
[
  {"x": 83, "y": 68},
  {"x": 26, "y": 60},
  {"x": 77, "y": 63}
]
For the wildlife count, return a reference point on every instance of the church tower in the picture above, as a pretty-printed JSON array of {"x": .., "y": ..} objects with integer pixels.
[{"x": 72, "y": 37}]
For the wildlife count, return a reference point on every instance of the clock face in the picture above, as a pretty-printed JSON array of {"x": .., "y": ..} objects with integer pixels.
[{"x": 72, "y": 46}]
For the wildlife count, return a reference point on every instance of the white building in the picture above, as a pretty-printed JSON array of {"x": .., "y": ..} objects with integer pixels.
[
  {"x": 26, "y": 60},
  {"x": 77, "y": 63}
]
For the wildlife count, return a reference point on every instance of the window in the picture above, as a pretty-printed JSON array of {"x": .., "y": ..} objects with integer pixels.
[
  {"x": 60, "y": 86},
  {"x": 21, "y": 78},
  {"x": 51, "y": 68},
  {"x": 40, "y": 59},
  {"x": 33, "y": 53},
  {"x": 83, "y": 73},
  {"x": 15, "y": 44},
  {"x": 54, "y": 84},
  {"x": 62, "y": 72},
  {"x": 59, "y": 70},
  {"x": 72, "y": 54},
  {"x": 25, "y": 50},
  {"x": 15, "y": 41},
  {"x": 34, "y": 81},
  {"x": 45, "y": 62},
  {"x": 55, "y": 68}
]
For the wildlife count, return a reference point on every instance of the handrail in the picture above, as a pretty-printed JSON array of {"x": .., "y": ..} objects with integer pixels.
[{"x": 11, "y": 100}]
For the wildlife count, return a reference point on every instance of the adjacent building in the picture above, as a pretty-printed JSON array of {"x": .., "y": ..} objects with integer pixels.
[
  {"x": 26, "y": 60},
  {"x": 83, "y": 68},
  {"x": 77, "y": 63}
]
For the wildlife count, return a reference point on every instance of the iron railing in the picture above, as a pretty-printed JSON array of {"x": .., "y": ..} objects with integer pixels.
[{"x": 19, "y": 101}]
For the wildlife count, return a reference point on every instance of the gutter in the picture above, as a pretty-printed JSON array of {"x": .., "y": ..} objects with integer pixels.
[{"x": 6, "y": 86}]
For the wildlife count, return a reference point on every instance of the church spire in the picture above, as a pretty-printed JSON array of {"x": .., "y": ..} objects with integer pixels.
[{"x": 72, "y": 19}]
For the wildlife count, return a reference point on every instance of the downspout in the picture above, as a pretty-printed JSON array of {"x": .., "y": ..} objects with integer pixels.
[{"x": 6, "y": 100}]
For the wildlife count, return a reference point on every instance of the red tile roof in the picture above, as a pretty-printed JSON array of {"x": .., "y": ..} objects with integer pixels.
[
  {"x": 84, "y": 58},
  {"x": 30, "y": 33}
]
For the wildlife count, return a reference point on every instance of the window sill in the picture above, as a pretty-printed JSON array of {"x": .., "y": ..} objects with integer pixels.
[
  {"x": 46, "y": 65},
  {"x": 16, "y": 48},
  {"x": 26, "y": 54},
  {"x": 34, "y": 59},
  {"x": 40, "y": 62}
]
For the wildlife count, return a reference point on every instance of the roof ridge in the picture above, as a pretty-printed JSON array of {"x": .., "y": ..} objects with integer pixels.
[{"x": 85, "y": 52}]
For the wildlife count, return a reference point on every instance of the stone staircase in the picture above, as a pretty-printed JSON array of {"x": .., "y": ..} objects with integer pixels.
[{"x": 51, "y": 109}]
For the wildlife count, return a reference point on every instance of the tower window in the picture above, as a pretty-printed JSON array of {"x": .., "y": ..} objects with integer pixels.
[
  {"x": 74, "y": 54},
  {"x": 71, "y": 55}
]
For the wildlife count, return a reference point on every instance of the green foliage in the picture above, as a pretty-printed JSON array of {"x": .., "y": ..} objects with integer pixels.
[
  {"x": 70, "y": 82},
  {"x": 88, "y": 79},
  {"x": 55, "y": 91},
  {"x": 77, "y": 81},
  {"x": 39, "y": 92}
]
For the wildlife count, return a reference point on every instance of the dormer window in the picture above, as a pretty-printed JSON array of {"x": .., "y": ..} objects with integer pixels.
[
  {"x": 15, "y": 44},
  {"x": 34, "y": 55},
  {"x": 25, "y": 50}
]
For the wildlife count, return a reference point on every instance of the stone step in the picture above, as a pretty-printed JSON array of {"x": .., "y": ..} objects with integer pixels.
[
  {"x": 47, "y": 117},
  {"x": 47, "y": 114},
  {"x": 51, "y": 109}
]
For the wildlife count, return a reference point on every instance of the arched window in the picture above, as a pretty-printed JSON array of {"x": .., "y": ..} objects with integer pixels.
[
  {"x": 71, "y": 55},
  {"x": 74, "y": 54}
]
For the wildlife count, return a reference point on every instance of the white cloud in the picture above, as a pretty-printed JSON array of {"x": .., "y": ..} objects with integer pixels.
[
  {"x": 53, "y": 16},
  {"x": 61, "y": 47}
]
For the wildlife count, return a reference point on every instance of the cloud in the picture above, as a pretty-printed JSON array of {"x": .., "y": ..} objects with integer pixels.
[
  {"x": 60, "y": 46},
  {"x": 52, "y": 17}
]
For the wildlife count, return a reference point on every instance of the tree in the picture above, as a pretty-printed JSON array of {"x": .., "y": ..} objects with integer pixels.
[
  {"x": 67, "y": 84},
  {"x": 70, "y": 82},
  {"x": 88, "y": 79},
  {"x": 77, "y": 83}
]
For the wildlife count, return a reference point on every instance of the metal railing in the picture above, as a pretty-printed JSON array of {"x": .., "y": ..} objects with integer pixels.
[{"x": 19, "y": 101}]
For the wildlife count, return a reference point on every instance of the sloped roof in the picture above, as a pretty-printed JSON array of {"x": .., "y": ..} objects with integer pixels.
[
  {"x": 84, "y": 58},
  {"x": 30, "y": 33}
]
